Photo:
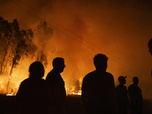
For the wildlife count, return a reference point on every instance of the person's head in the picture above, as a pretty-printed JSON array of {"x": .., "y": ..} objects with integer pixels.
[
  {"x": 58, "y": 64},
  {"x": 122, "y": 79},
  {"x": 150, "y": 46},
  {"x": 100, "y": 62},
  {"x": 135, "y": 80},
  {"x": 36, "y": 69}
]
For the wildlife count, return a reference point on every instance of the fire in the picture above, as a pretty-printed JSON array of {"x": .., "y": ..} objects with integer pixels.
[
  {"x": 2, "y": 87},
  {"x": 10, "y": 94},
  {"x": 8, "y": 87},
  {"x": 10, "y": 91},
  {"x": 74, "y": 89},
  {"x": 70, "y": 91},
  {"x": 73, "y": 93}
]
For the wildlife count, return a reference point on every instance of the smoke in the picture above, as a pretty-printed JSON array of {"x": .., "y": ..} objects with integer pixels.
[{"x": 83, "y": 28}]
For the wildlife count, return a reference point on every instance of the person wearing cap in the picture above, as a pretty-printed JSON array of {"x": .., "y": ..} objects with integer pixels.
[
  {"x": 98, "y": 89},
  {"x": 135, "y": 96},
  {"x": 33, "y": 95},
  {"x": 121, "y": 91}
]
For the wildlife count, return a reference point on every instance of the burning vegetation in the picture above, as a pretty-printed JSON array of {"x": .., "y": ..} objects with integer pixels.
[
  {"x": 18, "y": 45},
  {"x": 75, "y": 89},
  {"x": 15, "y": 44}
]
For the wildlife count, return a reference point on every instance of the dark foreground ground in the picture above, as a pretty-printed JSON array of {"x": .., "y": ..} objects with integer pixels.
[{"x": 73, "y": 105}]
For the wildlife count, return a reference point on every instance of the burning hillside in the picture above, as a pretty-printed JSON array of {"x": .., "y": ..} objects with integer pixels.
[{"x": 19, "y": 48}]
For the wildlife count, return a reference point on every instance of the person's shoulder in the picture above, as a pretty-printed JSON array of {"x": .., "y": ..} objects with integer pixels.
[
  {"x": 42, "y": 80},
  {"x": 125, "y": 87},
  {"x": 131, "y": 86},
  {"x": 118, "y": 86},
  {"x": 109, "y": 75},
  {"x": 25, "y": 81},
  {"x": 49, "y": 75},
  {"x": 88, "y": 78},
  {"x": 89, "y": 75}
]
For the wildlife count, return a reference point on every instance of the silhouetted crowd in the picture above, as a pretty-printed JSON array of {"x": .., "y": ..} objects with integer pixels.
[
  {"x": 99, "y": 94},
  {"x": 131, "y": 98}
]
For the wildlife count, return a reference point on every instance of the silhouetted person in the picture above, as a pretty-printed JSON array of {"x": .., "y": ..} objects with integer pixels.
[
  {"x": 121, "y": 91},
  {"x": 56, "y": 86},
  {"x": 150, "y": 49},
  {"x": 33, "y": 95},
  {"x": 98, "y": 89},
  {"x": 135, "y": 95},
  {"x": 150, "y": 46}
]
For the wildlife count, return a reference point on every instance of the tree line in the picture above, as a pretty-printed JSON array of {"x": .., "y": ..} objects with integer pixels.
[{"x": 16, "y": 43}]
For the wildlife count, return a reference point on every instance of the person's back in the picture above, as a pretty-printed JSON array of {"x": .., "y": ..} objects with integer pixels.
[
  {"x": 33, "y": 95},
  {"x": 56, "y": 86},
  {"x": 135, "y": 95},
  {"x": 121, "y": 91},
  {"x": 150, "y": 46},
  {"x": 98, "y": 91}
]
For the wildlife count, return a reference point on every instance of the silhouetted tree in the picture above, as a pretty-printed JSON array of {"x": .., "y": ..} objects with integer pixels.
[
  {"x": 24, "y": 46},
  {"x": 15, "y": 43},
  {"x": 5, "y": 38}
]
